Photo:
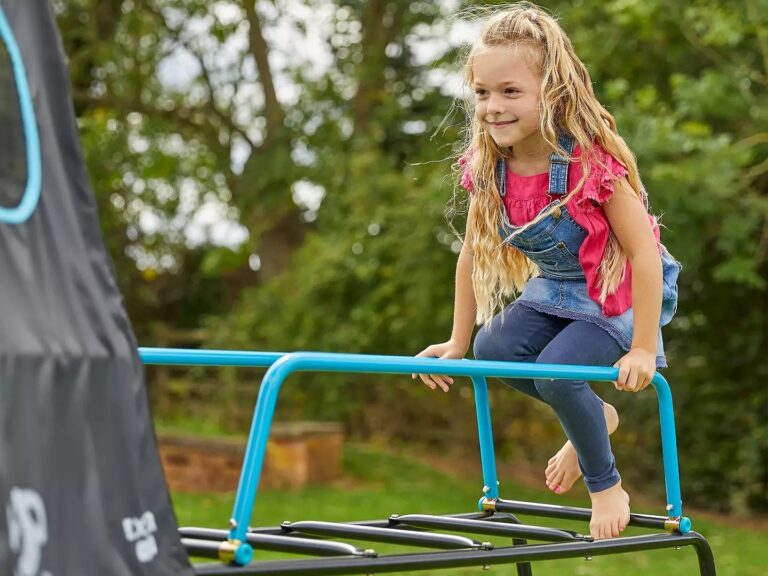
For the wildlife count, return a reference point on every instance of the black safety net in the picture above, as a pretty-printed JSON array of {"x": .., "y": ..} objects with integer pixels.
[
  {"x": 82, "y": 491},
  {"x": 13, "y": 166}
]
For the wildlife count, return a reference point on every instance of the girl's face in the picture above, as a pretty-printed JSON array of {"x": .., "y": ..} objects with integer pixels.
[{"x": 507, "y": 95}]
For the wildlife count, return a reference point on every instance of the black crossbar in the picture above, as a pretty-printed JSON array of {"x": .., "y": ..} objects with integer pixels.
[
  {"x": 477, "y": 557},
  {"x": 275, "y": 543},
  {"x": 486, "y": 527},
  {"x": 571, "y": 513},
  {"x": 386, "y": 522},
  {"x": 374, "y": 534}
]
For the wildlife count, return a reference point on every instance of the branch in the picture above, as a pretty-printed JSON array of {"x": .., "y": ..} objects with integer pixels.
[
  {"x": 752, "y": 140},
  {"x": 757, "y": 170},
  {"x": 762, "y": 38},
  {"x": 376, "y": 37},
  {"x": 273, "y": 111},
  {"x": 717, "y": 58},
  {"x": 224, "y": 118}
]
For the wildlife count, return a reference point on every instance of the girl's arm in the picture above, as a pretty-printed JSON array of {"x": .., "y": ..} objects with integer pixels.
[
  {"x": 464, "y": 304},
  {"x": 629, "y": 221},
  {"x": 464, "y": 311}
]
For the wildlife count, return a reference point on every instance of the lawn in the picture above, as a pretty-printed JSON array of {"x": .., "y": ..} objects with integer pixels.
[{"x": 377, "y": 484}]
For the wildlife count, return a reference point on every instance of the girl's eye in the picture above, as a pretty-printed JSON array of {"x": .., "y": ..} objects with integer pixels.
[
  {"x": 511, "y": 91},
  {"x": 480, "y": 91}
]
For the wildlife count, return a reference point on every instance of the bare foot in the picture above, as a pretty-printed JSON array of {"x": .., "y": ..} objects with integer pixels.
[
  {"x": 563, "y": 468},
  {"x": 610, "y": 512}
]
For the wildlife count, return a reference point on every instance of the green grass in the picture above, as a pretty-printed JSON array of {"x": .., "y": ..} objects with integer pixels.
[{"x": 377, "y": 485}]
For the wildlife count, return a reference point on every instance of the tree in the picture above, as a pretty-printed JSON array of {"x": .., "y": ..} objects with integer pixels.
[{"x": 340, "y": 174}]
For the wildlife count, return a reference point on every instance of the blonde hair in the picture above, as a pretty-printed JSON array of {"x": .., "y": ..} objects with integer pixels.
[{"x": 567, "y": 105}]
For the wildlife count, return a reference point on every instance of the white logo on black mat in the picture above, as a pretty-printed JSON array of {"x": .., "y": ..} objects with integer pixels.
[
  {"x": 27, "y": 530},
  {"x": 140, "y": 530}
]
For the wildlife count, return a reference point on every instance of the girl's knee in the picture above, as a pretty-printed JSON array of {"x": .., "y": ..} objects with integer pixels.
[
  {"x": 491, "y": 343},
  {"x": 547, "y": 389},
  {"x": 552, "y": 389},
  {"x": 485, "y": 346}
]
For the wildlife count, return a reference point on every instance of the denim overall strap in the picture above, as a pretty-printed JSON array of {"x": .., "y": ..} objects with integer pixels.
[
  {"x": 558, "y": 167},
  {"x": 501, "y": 181}
]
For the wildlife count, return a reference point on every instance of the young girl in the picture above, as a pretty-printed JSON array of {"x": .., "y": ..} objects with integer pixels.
[{"x": 559, "y": 216}]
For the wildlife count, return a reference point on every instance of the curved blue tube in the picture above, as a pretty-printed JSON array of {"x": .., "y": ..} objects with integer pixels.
[
  {"x": 485, "y": 435},
  {"x": 185, "y": 357},
  {"x": 669, "y": 446},
  {"x": 23, "y": 211}
]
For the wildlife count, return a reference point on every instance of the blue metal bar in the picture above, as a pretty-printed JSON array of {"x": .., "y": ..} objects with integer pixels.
[
  {"x": 284, "y": 364},
  {"x": 485, "y": 434},
  {"x": 185, "y": 357},
  {"x": 313, "y": 361},
  {"x": 669, "y": 449}
]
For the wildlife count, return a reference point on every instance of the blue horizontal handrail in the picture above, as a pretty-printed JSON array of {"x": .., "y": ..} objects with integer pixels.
[
  {"x": 190, "y": 357},
  {"x": 282, "y": 365}
]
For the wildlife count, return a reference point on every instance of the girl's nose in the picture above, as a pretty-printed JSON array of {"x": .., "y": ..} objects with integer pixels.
[{"x": 495, "y": 104}]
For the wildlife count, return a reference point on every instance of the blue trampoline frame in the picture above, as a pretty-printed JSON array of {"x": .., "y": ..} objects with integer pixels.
[{"x": 281, "y": 365}]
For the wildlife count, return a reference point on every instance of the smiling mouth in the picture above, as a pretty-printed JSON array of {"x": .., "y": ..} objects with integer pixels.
[{"x": 502, "y": 124}]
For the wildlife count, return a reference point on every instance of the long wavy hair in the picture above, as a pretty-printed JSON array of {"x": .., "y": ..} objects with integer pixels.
[{"x": 567, "y": 104}]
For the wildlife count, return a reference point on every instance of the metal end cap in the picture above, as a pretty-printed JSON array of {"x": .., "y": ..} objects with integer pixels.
[
  {"x": 243, "y": 554},
  {"x": 681, "y": 524},
  {"x": 227, "y": 551}
]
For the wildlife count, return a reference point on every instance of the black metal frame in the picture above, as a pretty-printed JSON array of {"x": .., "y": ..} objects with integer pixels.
[{"x": 410, "y": 529}]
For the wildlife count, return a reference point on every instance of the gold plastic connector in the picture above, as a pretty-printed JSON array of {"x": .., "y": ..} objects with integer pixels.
[
  {"x": 672, "y": 524},
  {"x": 227, "y": 551},
  {"x": 489, "y": 504}
]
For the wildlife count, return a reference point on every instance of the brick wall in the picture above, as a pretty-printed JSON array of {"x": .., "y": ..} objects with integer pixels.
[{"x": 298, "y": 454}]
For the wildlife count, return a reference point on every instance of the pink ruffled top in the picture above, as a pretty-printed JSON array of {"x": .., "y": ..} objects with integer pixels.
[{"x": 526, "y": 197}]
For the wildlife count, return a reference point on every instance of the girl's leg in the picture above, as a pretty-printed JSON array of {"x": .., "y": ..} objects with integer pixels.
[
  {"x": 563, "y": 469},
  {"x": 518, "y": 334},
  {"x": 582, "y": 415},
  {"x": 579, "y": 409}
]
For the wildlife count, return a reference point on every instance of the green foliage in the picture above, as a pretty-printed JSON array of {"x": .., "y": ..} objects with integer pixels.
[{"x": 371, "y": 269}]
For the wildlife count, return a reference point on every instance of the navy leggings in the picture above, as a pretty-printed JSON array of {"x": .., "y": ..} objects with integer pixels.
[{"x": 526, "y": 335}]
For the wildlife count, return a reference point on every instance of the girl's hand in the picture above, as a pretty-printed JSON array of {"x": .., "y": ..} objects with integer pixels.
[
  {"x": 636, "y": 370},
  {"x": 450, "y": 349}
]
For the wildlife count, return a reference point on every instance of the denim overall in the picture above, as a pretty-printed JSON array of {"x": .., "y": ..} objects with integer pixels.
[{"x": 561, "y": 288}]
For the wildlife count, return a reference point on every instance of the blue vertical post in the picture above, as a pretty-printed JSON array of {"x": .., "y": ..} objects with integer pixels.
[
  {"x": 256, "y": 449},
  {"x": 485, "y": 433},
  {"x": 669, "y": 447}
]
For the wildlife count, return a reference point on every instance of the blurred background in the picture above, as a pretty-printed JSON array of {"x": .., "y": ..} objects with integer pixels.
[{"x": 276, "y": 175}]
